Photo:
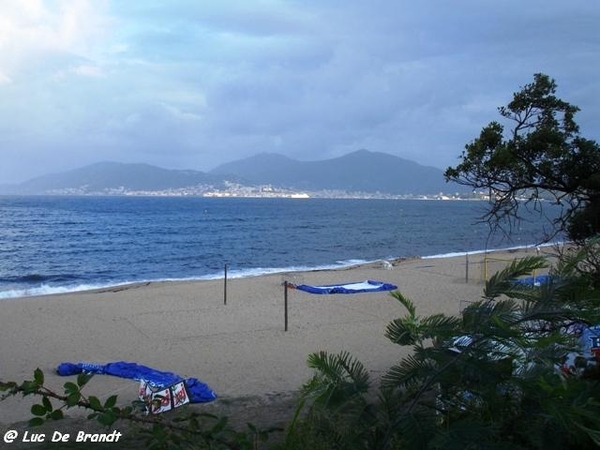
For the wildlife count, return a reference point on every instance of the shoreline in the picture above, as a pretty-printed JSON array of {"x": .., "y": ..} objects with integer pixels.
[
  {"x": 45, "y": 290},
  {"x": 240, "y": 348}
]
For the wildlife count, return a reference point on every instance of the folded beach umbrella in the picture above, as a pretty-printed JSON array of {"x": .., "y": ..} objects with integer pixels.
[
  {"x": 348, "y": 288},
  {"x": 199, "y": 392}
]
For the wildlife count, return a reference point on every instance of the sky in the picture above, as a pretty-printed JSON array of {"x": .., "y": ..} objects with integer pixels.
[{"x": 188, "y": 84}]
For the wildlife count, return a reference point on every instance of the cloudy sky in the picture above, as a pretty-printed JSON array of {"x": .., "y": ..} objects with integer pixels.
[{"x": 188, "y": 84}]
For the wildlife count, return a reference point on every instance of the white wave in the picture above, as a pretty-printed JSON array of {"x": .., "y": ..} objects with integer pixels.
[
  {"x": 49, "y": 290},
  {"x": 232, "y": 273},
  {"x": 258, "y": 271},
  {"x": 478, "y": 252}
]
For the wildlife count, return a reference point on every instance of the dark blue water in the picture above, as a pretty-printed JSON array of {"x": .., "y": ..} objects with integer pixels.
[{"x": 55, "y": 244}]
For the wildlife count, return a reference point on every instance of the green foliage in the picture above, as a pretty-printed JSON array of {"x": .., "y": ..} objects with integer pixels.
[
  {"x": 502, "y": 282},
  {"x": 338, "y": 415},
  {"x": 581, "y": 264},
  {"x": 487, "y": 379},
  {"x": 411, "y": 329},
  {"x": 542, "y": 154},
  {"x": 338, "y": 377}
]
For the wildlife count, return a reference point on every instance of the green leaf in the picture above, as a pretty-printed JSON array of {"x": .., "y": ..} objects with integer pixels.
[
  {"x": 71, "y": 388},
  {"x": 107, "y": 418},
  {"x": 47, "y": 404},
  {"x": 73, "y": 399},
  {"x": 29, "y": 387},
  {"x": 95, "y": 403},
  {"x": 38, "y": 376},
  {"x": 36, "y": 422},
  {"x": 110, "y": 401},
  {"x": 38, "y": 410},
  {"x": 57, "y": 415},
  {"x": 83, "y": 378}
]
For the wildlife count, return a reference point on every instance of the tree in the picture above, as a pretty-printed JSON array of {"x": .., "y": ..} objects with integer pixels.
[{"x": 542, "y": 155}]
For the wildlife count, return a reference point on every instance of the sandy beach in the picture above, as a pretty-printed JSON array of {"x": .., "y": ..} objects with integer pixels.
[{"x": 239, "y": 349}]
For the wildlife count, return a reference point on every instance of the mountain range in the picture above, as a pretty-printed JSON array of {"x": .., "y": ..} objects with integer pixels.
[{"x": 359, "y": 171}]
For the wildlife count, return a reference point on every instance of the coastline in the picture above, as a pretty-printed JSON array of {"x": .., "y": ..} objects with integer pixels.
[
  {"x": 45, "y": 290},
  {"x": 239, "y": 349}
]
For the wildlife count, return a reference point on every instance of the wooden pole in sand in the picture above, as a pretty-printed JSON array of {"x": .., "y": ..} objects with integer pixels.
[
  {"x": 225, "y": 286},
  {"x": 285, "y": 304},
  {"x": 467, "y": 269}
]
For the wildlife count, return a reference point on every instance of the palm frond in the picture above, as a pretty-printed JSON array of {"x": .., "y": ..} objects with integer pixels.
[
  {"x": 404, "y": 331},
  {"x": 440, "y": 328},
  {"x": 340, "y": 367},
  {"x": 410, "y": 372},
  {"x": 485, "y": 317},
  {"x": 411, "y": 329},
  {"x": 582, "y": 262},
  {"x": 406, "y": 302},
  {"x": 338, "y": 379},
  {"x": 503, "y": 281}
]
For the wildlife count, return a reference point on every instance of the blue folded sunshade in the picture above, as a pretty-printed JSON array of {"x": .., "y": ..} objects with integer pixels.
[{"x": 348, "y": 288}]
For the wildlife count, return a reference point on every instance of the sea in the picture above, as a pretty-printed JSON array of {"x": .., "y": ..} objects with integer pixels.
[{"x": 56, "y": 244}]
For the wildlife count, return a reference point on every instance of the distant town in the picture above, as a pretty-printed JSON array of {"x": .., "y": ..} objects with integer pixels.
[{"x": 235, "y": 190}]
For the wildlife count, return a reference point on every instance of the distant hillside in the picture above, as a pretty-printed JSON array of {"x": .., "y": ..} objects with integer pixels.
[
  {"x": 111, "y": 175},
  {"x": 362, "y": 171}
]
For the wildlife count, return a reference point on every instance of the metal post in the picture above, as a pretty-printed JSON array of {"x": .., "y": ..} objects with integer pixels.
[
  {"x": 485, "y": 268},
  {"x": 225, "y": 286},
  {"x": 285, "y": 304},
  {"x": 467, "y": 270}
]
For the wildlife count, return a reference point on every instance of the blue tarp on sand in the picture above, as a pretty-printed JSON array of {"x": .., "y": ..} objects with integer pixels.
[
  {"x": 199, "y": 392},
  {"x": 536, "y": 280},
  {"x": 348, "y": 288}
]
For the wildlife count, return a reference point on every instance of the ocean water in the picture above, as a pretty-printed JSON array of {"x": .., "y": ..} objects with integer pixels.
[{"x": 58, "y": 244}]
